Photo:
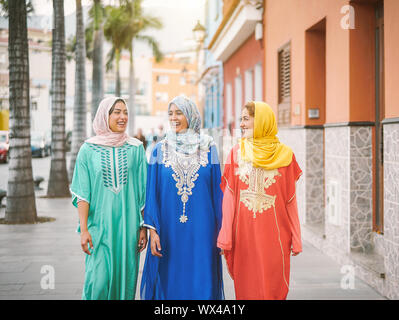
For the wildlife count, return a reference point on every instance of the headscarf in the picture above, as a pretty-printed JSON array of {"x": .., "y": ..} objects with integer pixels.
[
  {"x": 104, "y": 135},
  {"x": 191, "y": 140},
  {"x": 264, "y": 150}
]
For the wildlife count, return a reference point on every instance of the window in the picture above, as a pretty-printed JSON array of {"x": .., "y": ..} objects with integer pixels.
[
  {"x": 163, "y": 79},
  {"x": 162, "y": 96},
  {"x": 258, "y": 83},
  {"x": 284, "y": 85},
  {"x": 3, "y": 58},
  {"x": 182, "y": 81},
  {"x": 238, "y": 103},
  {"x": 249, "y": 88},
  {"x": 229, "y": 106},
  {"x": 33, "y": 105}
]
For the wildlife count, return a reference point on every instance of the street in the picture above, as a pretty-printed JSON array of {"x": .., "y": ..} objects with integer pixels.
[{"x": 32, "y": 255}]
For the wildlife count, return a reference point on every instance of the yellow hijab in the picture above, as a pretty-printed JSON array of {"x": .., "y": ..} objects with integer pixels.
[{"x": 264, "y": 150}]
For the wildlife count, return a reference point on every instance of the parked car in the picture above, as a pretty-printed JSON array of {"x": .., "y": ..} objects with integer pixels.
[
  {"x": 68, "y": 141},
  {"x": 39, "y": 144},
  {"x": 4, "y": 146}
]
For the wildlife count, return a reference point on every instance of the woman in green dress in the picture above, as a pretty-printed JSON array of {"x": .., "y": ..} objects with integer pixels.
[{"x": 108, "y": 188}]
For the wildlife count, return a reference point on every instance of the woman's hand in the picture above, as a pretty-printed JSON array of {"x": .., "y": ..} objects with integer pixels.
[
  {"x": 85, "y": 238},
  {"x": 143, "y": 240},
  {"x": 295, "y": 253},
  {"x": 155, "y": 243}
]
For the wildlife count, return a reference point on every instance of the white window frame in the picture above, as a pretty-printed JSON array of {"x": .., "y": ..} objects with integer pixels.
[
  {"x": 237, "y": 103},
  {"x": 249, "y": 85},
  {"x": 258, "y": 93},
  {"x": 229, "y": 104}
]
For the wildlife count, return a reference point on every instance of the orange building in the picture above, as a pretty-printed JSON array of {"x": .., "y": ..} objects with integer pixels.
[
  {"x": 176, "y": 74},
  {"x": 330, "y": 75},
  {"x": 330, "y": 72}
]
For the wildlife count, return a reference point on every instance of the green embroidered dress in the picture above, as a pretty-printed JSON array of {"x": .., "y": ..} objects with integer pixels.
[{"x": 113, "y": 181}]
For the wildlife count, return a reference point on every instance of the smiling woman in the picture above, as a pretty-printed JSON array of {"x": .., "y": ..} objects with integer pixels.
[
  {"x": 118, "y": 117},
  {"x": 177, "y": 120},
  {"x": 108, "y": 189},
  {"x": 260, "y": 226},
  {"x": 183, "y": 212},
  {"x": 247, "y": 120}
]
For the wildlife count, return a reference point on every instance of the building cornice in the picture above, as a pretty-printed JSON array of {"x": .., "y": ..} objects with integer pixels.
[
  {"x": 236, "y": 27},
  {"x": 225, "y": 19}
]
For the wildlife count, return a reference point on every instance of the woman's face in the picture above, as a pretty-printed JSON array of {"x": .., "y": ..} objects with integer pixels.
[
  {"x": 177, "y": 120},
  {"x": 118, "y": 118},
  {"x": 247, "y": 124}
]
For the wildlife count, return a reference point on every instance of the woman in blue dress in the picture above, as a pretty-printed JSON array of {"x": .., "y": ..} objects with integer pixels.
[{"x": 183, "y": 212}]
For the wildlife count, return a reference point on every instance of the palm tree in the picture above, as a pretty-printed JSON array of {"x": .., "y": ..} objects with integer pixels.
[
  {"x": 58, "y": 185},
  {"x": 138, "y": 23},
  {"x": 79, "y": 114},
  {"x": 94, "y": 39},
  {"x": 98, "y": 74},
  {"x": 125, "y": 25},
  {"x": 21, "y": 205},
  {"x": 4, "y": 7},
  {"x": 114, "y": 31}
]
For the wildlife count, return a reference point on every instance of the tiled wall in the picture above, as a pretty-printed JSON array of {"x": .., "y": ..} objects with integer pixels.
[
  {"x": 348, "y": 161},
  {"x": 391, "y": 208},
  {"x": 361, "y": 189},
  {"x": 337, "y": 170}
]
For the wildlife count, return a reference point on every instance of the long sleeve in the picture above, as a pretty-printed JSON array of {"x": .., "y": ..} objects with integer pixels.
[
  {"x": 80, "y": 186},
  {"x": 142, "y": 177},
  {"x": 225, "y": 238},
  {"x": 293, "y": 173},
  {"x": 151, "y": 210},
  {"x": 217, "y": 194},
  {"x": 292, "y": 210}
]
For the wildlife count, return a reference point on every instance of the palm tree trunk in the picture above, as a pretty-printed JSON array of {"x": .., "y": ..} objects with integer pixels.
[
  {"x": 79, "y": 114},
  {"x": 132, "y": 93},
  {"x": 58, "y": 181},
  {"x": 118, "y": 76},
  {"x": 21, "y": 205},
  {"x": 98, "y": 75}
]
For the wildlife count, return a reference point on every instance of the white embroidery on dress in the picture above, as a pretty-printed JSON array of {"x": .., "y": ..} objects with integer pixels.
[
  {"x": 258, "y": 180},
  {"x": 114, "y": 165},
  {"x": 185, "y": 168}
]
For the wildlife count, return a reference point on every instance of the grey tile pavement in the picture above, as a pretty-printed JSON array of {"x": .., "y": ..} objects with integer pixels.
[{"x": 26, "y": 250}]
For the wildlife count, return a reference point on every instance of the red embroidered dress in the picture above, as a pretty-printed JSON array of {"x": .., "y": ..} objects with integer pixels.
[{"x": 260, "y": 227}]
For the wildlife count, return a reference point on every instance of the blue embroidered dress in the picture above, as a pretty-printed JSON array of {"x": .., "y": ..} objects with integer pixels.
[
  {"x": 183, "y": 204},
  {"x": 113, "y": 181}
]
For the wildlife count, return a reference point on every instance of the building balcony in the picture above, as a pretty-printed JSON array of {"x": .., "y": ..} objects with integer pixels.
[{"x": 237, "y": 25}]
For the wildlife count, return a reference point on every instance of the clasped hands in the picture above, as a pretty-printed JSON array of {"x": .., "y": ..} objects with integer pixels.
[{"x": 86, "y": 240}]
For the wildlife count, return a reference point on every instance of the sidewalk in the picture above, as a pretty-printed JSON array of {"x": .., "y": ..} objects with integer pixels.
[{"x": 26, "y": 250}]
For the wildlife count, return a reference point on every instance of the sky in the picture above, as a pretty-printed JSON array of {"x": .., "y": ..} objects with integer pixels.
[
  {"x": 178, "y": 16},
  {"x": 44, "y": 7}
]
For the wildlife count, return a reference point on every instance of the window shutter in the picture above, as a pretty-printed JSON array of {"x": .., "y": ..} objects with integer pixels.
[{"x": 284, "y": 86}]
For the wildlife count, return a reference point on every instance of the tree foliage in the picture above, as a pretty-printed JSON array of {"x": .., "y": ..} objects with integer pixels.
[
  {"x": 4, "y": 7},
  {"x": 127, "y": 23}
]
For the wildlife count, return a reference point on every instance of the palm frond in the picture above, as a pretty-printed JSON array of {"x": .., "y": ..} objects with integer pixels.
[
  {"x": 158, "y": 55},
  {"x": 110, "y": 59}
]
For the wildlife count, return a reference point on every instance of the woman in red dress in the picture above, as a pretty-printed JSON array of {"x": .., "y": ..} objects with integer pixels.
[{"x": 260, "y": 226}]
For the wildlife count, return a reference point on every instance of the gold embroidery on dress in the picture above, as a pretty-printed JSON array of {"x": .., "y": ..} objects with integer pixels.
[
  {"x": 258, "y": 180},
  {"x": 185, "y": 168}
]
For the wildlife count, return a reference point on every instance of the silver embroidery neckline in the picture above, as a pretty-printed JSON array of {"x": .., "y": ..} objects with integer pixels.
[{"x": 185, "y": 168}]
